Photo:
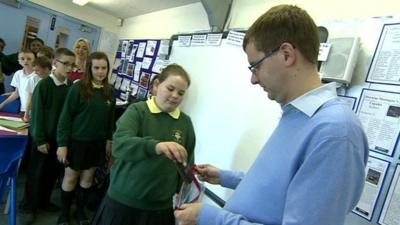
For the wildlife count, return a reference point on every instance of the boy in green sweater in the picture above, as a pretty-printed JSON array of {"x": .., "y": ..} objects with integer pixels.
[
  {"x": 47, "y": 101},
  {"x": 151, "y": 137}
]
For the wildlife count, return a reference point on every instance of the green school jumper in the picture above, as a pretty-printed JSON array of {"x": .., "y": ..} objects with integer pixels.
[
  {"x": 140, "y": 178},
  {"x": 85, "y": 120},
  {"x": 47, "y": 102}
]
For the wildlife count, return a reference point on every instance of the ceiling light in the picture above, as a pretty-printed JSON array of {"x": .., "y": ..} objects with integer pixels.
[{"x": 80, "y": 2}]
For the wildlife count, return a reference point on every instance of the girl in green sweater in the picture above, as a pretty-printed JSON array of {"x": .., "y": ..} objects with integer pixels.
[
  {"x": 151, "y": 137},
  {"x": 84, "y": 134}
]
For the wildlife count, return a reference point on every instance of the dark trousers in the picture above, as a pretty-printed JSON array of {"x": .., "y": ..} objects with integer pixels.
[
  {"x": 1, "y": 88},
  {"x": 27, "y": 154},
  {"x": 42, "y": 173}
]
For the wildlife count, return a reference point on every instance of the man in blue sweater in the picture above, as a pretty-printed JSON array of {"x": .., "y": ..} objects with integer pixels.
[{"x": 311, "y": 170}]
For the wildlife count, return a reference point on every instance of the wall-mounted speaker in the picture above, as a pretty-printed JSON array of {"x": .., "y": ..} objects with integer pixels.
[{"x": 341, "y": 60}]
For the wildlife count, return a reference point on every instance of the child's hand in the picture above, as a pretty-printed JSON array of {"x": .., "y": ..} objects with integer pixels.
[
  {"x": 43, "y": 148},
  {"x": 62, "y": 155},
  {"x": 26, "y": 118},
  {"x": 108, "y": 148},
  {"x": 172, "y": 150}
]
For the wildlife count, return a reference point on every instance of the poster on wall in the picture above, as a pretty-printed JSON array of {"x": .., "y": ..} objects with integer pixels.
[
  {"x": 235, "y": 38},
  {"x": 135, "y": 63},
  {"x": 199, "y": 40},
  {"x": 375, "y": 175},
  {"x": 151, "y": 47},
  {"x": 390, "y": 214},
  {"x": 214, "y": 39},
  {"x": 379, "y": 113},
  {"x": 184, "y": 40},
  {"x": 385, "y": 63}
]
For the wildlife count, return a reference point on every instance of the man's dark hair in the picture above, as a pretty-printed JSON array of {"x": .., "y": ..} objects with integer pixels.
[{"x": 285, "y": 23}]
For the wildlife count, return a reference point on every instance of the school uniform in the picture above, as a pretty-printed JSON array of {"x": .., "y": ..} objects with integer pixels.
[
  {"x": 85, "y": 126},
  {"x": 19, "y": 81},
  {"x": 32, "y": 82},
  {"x": 47, "y": 101},
  {"x": 142, "y": 182}
]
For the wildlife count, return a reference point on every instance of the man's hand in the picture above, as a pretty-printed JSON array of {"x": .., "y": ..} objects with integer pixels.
[
  {"x": 208, "y": 173},
  {"x": 188, "y": 214}
]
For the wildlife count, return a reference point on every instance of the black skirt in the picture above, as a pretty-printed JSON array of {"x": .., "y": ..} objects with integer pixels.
[
  {"x": 83, "y": 155},
  {"x": 112, "y": 212}
]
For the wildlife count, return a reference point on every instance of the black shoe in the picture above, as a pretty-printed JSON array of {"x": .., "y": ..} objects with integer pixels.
[
  {"x": 81, "y": 218},
  {"x": 25, "y": 217},
  {"x": 63, "y": 220},
  {"x": 50, "y": 207}
]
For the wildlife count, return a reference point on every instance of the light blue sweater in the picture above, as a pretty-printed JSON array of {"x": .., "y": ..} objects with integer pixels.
[{"x": 310, "y": 172}]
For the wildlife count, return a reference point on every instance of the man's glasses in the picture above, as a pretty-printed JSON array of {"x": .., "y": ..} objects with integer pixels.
[
  {"x": 67, "y": 64},
  {"x": 254, "y": 67}
]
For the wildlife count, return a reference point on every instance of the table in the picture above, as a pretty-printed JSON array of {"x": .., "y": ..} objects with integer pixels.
[
  {"x": 3, "y": 132},
  {"x": 12, "y": 132}
]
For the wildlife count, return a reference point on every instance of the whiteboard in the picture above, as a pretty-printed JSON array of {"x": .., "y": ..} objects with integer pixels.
[{"x": 232, "y": 118}]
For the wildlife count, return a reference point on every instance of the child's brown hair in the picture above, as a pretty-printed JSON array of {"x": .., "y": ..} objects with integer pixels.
[{"x": 42, "y": 62}]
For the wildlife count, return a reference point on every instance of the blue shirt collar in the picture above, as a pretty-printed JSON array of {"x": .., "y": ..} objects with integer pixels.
[{"x": 310, "y": 102}]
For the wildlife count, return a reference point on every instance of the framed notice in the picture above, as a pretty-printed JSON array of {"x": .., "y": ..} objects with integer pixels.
[
  {"x": 375, "y": 176},
  {"x": 385, "y": 64},
  {"x": 379, "y": 113},
  {"x": 390, "y": 214}
]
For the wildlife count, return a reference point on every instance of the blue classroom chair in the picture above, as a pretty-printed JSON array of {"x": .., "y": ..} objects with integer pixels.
[
  {"x": 12, "y": 149},
  {"x": 12, "y": 107}
]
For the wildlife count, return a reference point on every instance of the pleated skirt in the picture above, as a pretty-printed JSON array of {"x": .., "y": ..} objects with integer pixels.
[{"x": 112, "y": 212}]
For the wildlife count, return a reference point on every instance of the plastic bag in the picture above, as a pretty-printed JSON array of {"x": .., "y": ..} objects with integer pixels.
[{"x": 190, "y": 192}]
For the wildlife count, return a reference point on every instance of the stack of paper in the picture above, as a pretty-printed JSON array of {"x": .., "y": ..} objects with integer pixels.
[
  {"x": 13, "y": 124},
  {"x": 4, "y": 130}
]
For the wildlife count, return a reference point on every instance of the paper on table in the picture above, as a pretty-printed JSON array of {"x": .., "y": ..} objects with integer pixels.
[
  {"x": 7, "y": 130},
  {"x": 11, "y": 118},
  {"x": 13, "y": 124}
]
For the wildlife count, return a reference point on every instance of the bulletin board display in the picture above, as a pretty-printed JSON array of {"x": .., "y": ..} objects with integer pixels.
[
  {"x": 136, "y": 63},
  {"x": 390, "y": 214}
]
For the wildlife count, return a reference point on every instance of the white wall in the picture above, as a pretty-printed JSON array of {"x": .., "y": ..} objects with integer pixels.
[
  {"x": 191, "y": 18},
  {"x": 164, "y": 23},
  {"x": 84, "y": 13},
  {"x": 245, "y": 12}
]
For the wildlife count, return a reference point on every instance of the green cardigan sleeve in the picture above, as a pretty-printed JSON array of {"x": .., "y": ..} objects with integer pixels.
[
  {"x": 38, "y": 115},
  {"x": 64, "y": 128},
  {"x": 126, "y": 138}
]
